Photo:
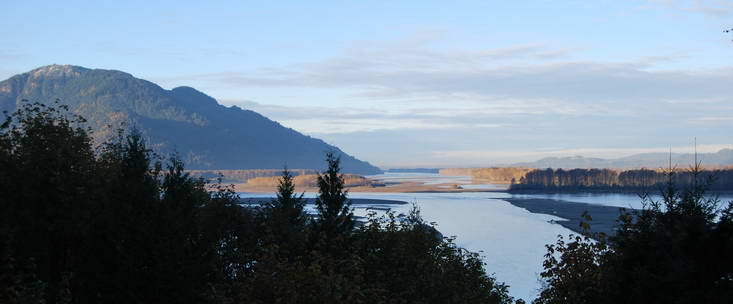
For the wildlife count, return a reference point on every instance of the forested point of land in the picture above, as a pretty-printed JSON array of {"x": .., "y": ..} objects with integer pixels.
[
  {"x": 626, "y": 180},
  {"x": 308, "y": 181},
  {"x": 493, "y": 175}
]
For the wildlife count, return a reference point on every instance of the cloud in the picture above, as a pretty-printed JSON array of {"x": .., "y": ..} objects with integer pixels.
[
  {"x": 6, "y": 54},
  {"x": 324, "y": 120},
  {"x": 712, "y": 8},
  {"x": 413, "y": 84},
  {"x": 489, "y": 76},
  {"x": 486, "y": 156},
  {"x": 713, "y": 120}
]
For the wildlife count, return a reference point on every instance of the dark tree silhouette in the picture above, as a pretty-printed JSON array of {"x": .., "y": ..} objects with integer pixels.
[
  {"x": 335, "y": 219},
  {"x": 285, "y": 218},
  {"x": 636, "y": 180}
]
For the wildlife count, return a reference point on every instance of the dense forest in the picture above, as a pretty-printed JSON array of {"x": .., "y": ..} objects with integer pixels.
[
  {"x": 492, "y": 175},
  {"x": 612, "y": 180},
  {"x": 115, "y": 223}
]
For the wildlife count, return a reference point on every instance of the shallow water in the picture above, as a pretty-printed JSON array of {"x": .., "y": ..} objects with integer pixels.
[
  {"x": 624, "y": 200},
  {"x": 427, "y": 178}
]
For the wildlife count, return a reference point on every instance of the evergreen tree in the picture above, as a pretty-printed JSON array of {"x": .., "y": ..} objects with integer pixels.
[
  {"x": 47, "y": 189},
  {"x": 335, "y": 219},
  {"x": 285, "y": 218}
]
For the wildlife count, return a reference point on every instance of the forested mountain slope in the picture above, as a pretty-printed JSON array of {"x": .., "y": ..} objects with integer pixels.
[{"x": 206, "y": 134}]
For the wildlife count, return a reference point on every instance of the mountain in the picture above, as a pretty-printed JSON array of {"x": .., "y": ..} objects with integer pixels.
[
  {"x": 721, "y": 158},
  {"x": 206, "y": 134}
]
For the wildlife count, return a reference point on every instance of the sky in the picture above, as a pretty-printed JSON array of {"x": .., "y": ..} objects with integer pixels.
[{"x": 419, "y": 83}]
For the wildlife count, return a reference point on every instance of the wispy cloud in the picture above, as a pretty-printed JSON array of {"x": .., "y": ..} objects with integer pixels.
[
  {"x": 518, "y": 73},
  {"x": 712, "y": 8},
  {"x": 713, "y": 119},
  {"x": 324, "y": 120},
  {"x": 487, "y": 156}
]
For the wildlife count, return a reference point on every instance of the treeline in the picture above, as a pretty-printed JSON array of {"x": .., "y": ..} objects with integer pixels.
[
  {"x": 115, "y": 223},
  {"x": 456, "y": 171},
  {"x": 499, "y": 175},
  {"x": 494, "y": 174},
  {"x": 613, "y": 180},
  {"x": 308, "y": 181}
]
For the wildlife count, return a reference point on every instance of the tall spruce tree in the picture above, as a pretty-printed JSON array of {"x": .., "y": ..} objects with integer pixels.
[
  {"x": 335, "y": 220},
  {"x": 285, "y": 217}
]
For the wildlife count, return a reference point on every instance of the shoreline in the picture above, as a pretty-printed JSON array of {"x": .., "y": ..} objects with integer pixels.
[
  {"x": 311, "y": 201},
  {"x": 604, "y": 217},
  {"x": 602, "y": 191}
]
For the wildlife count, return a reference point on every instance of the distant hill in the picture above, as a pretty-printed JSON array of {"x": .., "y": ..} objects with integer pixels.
[
  {"x": 721, "y": 158},
  {"x": 206, "y": 134}
]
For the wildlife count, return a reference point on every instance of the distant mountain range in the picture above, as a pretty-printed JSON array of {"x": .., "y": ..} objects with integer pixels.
[
  {"x": 206, "y": 134},
  {"x": 721, "y": 158}
]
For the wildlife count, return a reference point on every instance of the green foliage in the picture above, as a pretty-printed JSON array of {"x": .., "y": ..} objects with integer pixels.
[
  {"x": 335, "y": 220},
  {"x": 324, "y": 279},
  {"x": 573, "y": 268},
  {"x": 285, "y": 219},
  {"x": 47, "y": 188}
]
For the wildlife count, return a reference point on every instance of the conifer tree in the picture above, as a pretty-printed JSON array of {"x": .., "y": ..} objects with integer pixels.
[
  {"x": 286, "y": 218},
  {"x": 334, "y": 209}
]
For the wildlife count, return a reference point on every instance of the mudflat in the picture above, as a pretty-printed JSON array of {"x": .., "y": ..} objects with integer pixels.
[
  {"x": 391, "y": 187},
  {"x": 604, "y": 217}
]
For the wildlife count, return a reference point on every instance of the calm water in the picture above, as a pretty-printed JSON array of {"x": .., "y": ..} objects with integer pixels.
[{"x": 624, "y": 200}]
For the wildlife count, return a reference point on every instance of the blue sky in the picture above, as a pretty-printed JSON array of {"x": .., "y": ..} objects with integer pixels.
[{"x": 419, "y": 83}]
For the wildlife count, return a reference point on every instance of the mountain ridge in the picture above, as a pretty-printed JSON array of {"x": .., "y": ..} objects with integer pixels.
[
  {"x": 722, "y": 158},
  {"x": 206, "y": 134}
]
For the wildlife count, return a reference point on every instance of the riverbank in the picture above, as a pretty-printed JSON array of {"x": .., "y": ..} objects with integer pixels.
[
  {"x": 354, "y": 201},
  {"x": 635, "y": 191},
  {"x": 383, "y": 187},
  {"x": 604, "y": 217}
]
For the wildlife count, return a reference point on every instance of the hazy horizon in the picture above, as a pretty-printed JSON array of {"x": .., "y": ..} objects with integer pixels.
[{"x": 418, "y": 84}]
